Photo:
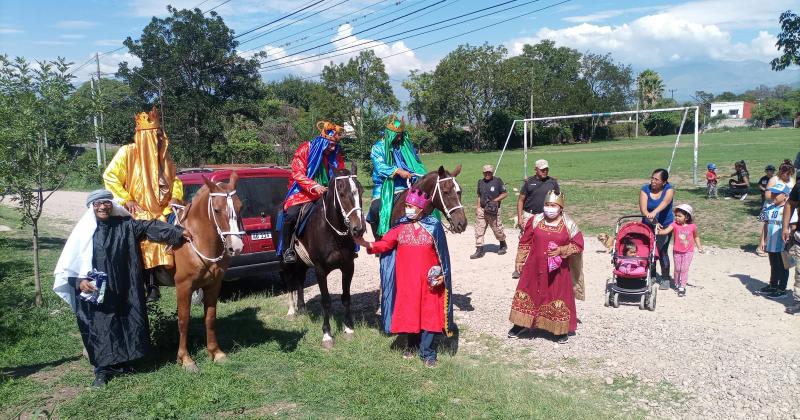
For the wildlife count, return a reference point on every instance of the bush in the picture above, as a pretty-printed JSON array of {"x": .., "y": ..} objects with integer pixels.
[
  {"x": 425, "y": 141},
  {"x": 84, "y": 175}
]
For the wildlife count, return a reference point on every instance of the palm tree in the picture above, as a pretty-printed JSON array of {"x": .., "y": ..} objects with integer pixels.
[{"x": 650, "y": 87}]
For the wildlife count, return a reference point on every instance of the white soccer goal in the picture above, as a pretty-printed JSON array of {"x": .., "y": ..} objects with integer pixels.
[{"x": 527, "y": 139}]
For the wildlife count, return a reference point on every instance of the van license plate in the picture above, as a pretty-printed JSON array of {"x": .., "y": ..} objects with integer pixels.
[{"x": 261, "y": 235}]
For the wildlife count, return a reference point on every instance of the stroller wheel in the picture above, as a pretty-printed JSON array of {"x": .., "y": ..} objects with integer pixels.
[
  {"x": 607, "y": 300},
  {"x": 615, "y": 300},
  {"x": 651, "y": 304},
  {"x": 643, "y": 302}
]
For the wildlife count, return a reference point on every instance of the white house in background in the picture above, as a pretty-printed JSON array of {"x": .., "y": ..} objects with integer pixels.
[{"x": 739, "y": 109}]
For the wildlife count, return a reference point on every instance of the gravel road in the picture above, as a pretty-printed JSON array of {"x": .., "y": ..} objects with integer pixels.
[{"x": 719, "y": 352}]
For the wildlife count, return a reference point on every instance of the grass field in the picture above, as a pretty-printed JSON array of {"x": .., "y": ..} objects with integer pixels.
[
  {"x": 276, "y": 367},
  {"x": 602, "y": 180}
]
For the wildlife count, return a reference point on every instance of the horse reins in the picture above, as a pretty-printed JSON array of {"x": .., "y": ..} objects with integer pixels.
[
  {"x": 232, "y": 221},
  {"x": 337, "y": 199}
]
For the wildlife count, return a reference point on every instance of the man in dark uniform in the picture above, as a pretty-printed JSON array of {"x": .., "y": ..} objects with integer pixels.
[
  {"x": 531, "y": 195},
  {"x": 491, "y": 191},
  {"x": 114, "y": 328}
]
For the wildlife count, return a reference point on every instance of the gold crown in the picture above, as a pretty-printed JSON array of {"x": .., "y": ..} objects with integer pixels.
[
  {"x": 398, "y": 126},
  {"x": 147, "y": 120},
  {"x": 324, "y": 127},
  {"x": 554, "y": 197}
]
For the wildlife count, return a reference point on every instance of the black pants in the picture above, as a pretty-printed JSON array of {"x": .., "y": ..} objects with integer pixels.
[
  {"x": 662, "y": 245},
  {"x": 289, "y": 222},
  {"x": 779, "y": 275},
  {"x": 374, "y": 213}
]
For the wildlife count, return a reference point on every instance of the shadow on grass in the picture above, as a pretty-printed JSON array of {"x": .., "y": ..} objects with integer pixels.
[
  {"x": 23, "y": 371},
  {"x": 752, "y": 204},
  {"x": 270, "y": 284},
  {"x": 239, "y": 329},
  {"x": 24, "y": 244}
]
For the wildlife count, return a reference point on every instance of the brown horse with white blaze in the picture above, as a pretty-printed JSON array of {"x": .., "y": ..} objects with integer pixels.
[{"x": 212, "y": 220}]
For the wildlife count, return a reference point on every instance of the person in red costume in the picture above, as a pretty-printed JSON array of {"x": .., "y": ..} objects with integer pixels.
[{"x": 312, "y": 167}]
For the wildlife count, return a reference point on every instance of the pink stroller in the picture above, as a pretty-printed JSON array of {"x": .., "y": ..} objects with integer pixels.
[{"x": 631, "y": 275}]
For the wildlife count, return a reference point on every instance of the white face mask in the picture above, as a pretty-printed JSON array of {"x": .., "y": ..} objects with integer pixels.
[
  {"x": 551, "y": 211},
  {"x": 411, "y": 212}
]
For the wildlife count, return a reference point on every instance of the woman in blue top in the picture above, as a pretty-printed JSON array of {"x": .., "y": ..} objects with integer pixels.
[{"x": 655, "y": 203}]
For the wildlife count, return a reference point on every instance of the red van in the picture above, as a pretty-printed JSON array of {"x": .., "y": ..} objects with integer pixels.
[{"x": 261, "y": 189}]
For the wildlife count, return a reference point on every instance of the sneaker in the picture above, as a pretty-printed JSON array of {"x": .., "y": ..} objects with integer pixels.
[
  {"x": 794, "y": 309},
  {"x": 515, "y": 274},
  {"x": 562, "y": 339},
  {"x": 778, "y": 294},
  {"x": 430, "y": 363},
  {"x": 100, "y": 380},
  {"x": 408, "y": 354},
  {"x": 766, "y": 290},
  {"x": 515, "y": 331},
  {"x": 681, "y": 291},
  {"x": 743, "y": 197}
]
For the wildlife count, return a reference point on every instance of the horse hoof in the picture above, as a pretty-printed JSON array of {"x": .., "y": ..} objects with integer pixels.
[
  {"x": 191, "y": 368},
  {"x": 291, "y": 317},
  {"x": 219, "y": 357},
  {"x": 327, "y": 344}
]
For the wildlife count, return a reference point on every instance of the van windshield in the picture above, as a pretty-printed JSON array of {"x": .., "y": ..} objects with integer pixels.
[{"x": 260, "y": 195}]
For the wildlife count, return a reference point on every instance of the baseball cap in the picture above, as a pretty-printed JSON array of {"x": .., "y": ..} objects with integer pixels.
[
  {"x": 711, "y": 166},
  {"x": 770, "y": 168},
  {"x": 541, "y": 164},
  {"x": 488, "y": 168}
]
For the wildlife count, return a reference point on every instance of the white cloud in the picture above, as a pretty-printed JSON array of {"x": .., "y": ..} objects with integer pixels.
[
  {"x": 402, "y": 58},
  {"x": 6, "y": 30},
  {"x": 109, "y": 64},
  {"x": 683, "y": 33},
  {"x": 75, "y": 24}
]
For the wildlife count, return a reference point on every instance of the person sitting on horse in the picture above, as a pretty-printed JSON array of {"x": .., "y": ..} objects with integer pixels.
[
  {"x": 312, "y": 167},
  {"x": 417, "y": 293},
  {"x": 112, "y": 317},
  {"x": 395, "y": 165},
  {"x": 142, "y": 178}
]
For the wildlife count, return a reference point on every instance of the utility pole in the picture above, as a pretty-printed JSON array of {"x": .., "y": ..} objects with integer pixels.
[
  {"x": 101, "y": 143},
  {"x": 96, "y": 134},
  {"x": 672, "y": 93}
]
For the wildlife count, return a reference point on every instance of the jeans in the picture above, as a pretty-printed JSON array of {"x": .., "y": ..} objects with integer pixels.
[
  {"x": 662, "y": 244},
  {"x": 423, "y": 340},
  {"x": 779, "y": 276}
]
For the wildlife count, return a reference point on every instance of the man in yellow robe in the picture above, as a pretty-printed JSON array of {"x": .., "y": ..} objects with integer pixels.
[{"x": 142, "y": 178}]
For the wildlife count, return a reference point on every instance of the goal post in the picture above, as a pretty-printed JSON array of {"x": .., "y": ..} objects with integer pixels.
[{"x": 526, "y": 137}]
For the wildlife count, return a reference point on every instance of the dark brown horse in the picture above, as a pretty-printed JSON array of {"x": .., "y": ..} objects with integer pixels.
[
  {"x": 328, "y": 241},
  {"x": 445, "y": 193},
  {"x": 212, "y": 219}
]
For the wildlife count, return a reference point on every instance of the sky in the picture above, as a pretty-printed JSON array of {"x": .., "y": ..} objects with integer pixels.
[{"x": 711, "y": 45}]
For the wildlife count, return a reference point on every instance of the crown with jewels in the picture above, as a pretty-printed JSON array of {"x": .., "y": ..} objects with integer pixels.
[
  {"x": 554, "y": 197},
  {"x": 328, "y": 129},
  {"x": 398, "y": 126},
  {"x": 418, "y": 198},
  {"x": 148, "y": 120}
]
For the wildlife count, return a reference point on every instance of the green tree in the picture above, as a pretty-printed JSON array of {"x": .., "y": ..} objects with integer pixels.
[
  {"x": 35, "y": 131},
  {"x": 768, "y": 111},
  {"x": 703, "y": 99},
  {"x": 117, "y": 104},
  {"x": 464, "y": 91},
  {"x": 419, "y": 89},
  {"x": 788, "y": 41},
  {"x": 651, "y": 87},
  {"x": 204, "y": 80}
]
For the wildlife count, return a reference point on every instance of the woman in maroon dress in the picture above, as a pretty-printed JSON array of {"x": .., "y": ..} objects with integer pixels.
[
  {"x": 419, "y": 304},
  {"x": 545, "y": 298}
]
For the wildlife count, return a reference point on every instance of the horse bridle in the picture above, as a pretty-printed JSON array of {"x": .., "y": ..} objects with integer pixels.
[
  {"x": 438, "y": 190},
  {"x": 338, "y": 199},
  {"x": 233, "y": 221}
]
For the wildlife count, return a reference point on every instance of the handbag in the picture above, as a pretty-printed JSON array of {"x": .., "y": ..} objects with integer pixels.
[{"x": 492, "y": 208}]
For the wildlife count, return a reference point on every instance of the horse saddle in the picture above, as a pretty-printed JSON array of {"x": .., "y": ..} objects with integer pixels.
[{"x": 302, "y": 218}]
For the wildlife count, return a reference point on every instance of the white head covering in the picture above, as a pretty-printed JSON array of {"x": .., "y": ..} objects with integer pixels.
[{"x": 76, "y": 258}]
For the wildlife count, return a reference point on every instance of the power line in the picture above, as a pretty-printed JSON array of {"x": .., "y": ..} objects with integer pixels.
[
  {"x": 224, "y": 2},
  {"x": 318, "y": 57},
  {"x": 277, "y": 20},
  {"x": 256, "y": 36}
]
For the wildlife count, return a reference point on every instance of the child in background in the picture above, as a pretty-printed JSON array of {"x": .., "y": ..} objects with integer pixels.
[
  {"x": 630, "y": 264},
  {"x": 711, "y": 181},
  {"x": 686, "y": 238},
  {"x": 773, "y": 244},
  {"x": 764, "y": 181}
]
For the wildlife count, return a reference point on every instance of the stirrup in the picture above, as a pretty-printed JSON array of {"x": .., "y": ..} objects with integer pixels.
[{"x": 289, "y": 256}]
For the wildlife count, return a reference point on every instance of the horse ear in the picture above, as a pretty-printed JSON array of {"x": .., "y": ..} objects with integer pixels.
[
  {"x": 441, "y": 171},
  {"x": 353, "y": 168},
  {"x": 456, "y": 171},
  {"x": 234, "y": 179},
  {"x": 208, "y": 183}
]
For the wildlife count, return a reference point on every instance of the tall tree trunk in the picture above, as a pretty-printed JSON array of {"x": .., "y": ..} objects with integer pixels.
[{"x": 37, "y": 281}]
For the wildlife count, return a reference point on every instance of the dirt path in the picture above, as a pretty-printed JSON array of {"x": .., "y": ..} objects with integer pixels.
[
  {"x": 730, "y": 353},
  {"x": 723, "y": 351},
  {"x": 64, "y": 207}
]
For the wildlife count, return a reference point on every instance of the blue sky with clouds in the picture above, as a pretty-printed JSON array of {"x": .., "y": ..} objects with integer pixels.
[{"x": 711, "y": 45}]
